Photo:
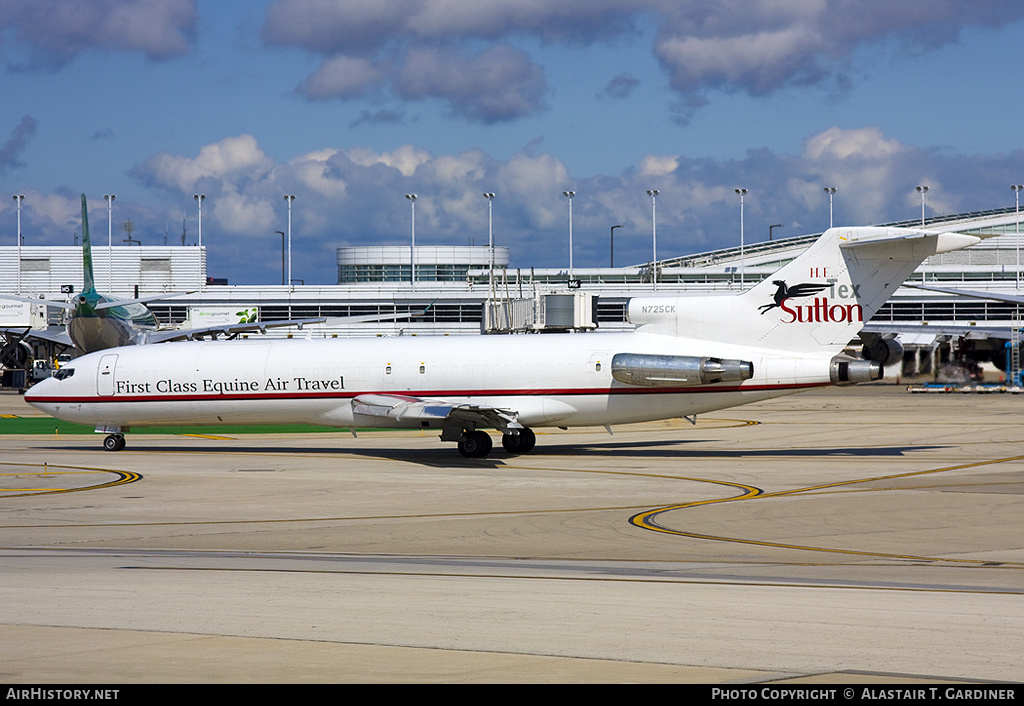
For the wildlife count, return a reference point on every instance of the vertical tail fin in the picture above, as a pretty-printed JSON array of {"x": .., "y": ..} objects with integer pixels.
[
  {"x": 90, "y": 285},
  {"x": 822, "y": 299},
  {"x": 816, "y": 303}
]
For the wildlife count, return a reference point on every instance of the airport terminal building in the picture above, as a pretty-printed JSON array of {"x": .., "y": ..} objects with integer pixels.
[{"x": 472, "y": 290}]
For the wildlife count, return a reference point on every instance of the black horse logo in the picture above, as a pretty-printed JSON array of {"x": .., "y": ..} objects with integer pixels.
[{"x": 797, "y": 290}]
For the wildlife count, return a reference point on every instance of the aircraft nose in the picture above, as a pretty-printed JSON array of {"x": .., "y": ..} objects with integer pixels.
[
  {"x": 38, "y": 391},
  {"x": 32, "y": 393}
]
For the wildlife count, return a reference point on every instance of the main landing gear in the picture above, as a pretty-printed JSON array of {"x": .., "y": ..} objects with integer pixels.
[
  {"x": 477, "y": 443},
  {"x": 113, "y": 442},
  {"x": 521, "y": 443}
]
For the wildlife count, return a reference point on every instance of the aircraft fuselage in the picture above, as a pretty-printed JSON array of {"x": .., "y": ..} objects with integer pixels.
[
  {"x": 92, "y": 329},
  {"x": 550, "y": 380}
]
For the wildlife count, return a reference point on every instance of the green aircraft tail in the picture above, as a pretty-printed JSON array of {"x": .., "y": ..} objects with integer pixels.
[{"x": 90, "y": 285}]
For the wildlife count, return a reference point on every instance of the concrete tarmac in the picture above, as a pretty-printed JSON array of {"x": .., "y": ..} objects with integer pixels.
[{"x": 859, "y": 535}]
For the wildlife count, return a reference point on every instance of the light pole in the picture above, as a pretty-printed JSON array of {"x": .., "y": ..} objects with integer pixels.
[
  {"x": 1016, "y": 197},
  {"x": 611, "y": 262},
  {"x": 199, "y": 199},
  {"x": 771, "y": 228},
  {"x": 110, "y": 239},
  {"x": 922, "y": 190},
  {"x": 569, "y": 195},
  {"x": 831, "y": 191},
  {"x": 289, "y": 198},
  {"x": 490, "y": 236},
  {"x": 18, "y": 198},
  {"x": 283, "y": 275},
  {"x": 741, "y": 193},
  {"x": 412, "y": 249},
  {"x": 653, "y": 193}
]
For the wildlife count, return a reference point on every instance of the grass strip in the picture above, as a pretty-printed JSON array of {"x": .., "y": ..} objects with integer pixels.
[{"x": 48, "y": 425}]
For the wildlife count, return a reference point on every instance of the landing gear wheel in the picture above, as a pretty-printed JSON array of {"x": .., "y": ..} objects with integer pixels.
[
  {"x": 520, "y": 443},
  {"x": 475, "y": 444},
  {"x": 114, "y": 442}
]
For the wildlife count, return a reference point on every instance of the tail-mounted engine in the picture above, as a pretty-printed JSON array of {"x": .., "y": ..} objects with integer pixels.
[
  {"x": 677, "y": 370},
  {"x": 847, "y": 371}
]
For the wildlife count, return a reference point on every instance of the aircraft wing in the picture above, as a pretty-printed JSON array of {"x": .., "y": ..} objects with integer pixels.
[
  {"x": 227, "y": 330},
  {"x": 940, "y": 330},
  {"x": 61, "y": 339},
  {"x": 48, "y": 302},
  {"x": 410, "y": 408},
  {"x": 110, "y": 304},
  {"x": 233, "y": 330}
]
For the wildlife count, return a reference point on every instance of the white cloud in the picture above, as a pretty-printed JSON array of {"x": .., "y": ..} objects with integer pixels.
[
  {"x": 54, "y": 210},
  {"x": 234, "y": 158},
  {"x": 11, "y": 150},
  {"x": 420, "y": 47},
  {"x": 313, "y": 171},
  {"x": 56, "y": 31},
  {"x": 760, "y": 62},
  {"x": 537, "y": 182},
  {"x": 356, "y": 196},
  {"x": 500, "y": 83},
  {"x": 341, "y": 77},
  {"x": 862, "y": 143},
  {"x": 406, "y": 159},
  {"x": 466, "y": 167},
  {"x": 658, "y": 165},
  {"x": 238, "y": 214}
]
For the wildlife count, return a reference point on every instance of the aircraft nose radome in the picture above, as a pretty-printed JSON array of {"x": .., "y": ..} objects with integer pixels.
[
  {"x": 32, "y": 392},
  {"x": 38, "y": 390}
]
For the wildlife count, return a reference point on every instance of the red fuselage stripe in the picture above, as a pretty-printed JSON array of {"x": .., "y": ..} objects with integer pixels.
[{"x": 431, "y": 394}]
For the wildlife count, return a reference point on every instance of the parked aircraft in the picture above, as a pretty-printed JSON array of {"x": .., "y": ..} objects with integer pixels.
[
  {"x": 100, "y": 321},
  {"x": 976, "y": 343},
  {"x": 688, "y": 355}
]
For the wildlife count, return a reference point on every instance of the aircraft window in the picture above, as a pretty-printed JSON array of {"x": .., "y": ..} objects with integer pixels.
[
  {"x": 64, "y": 373},
  {"x": 387, "y": 370},
  {"x": 423, "y": 369},
  {"x": 597, "y": 366}
]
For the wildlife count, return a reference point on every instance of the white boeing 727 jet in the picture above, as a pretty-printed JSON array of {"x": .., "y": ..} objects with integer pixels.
[{"x": 688, "y": 355}]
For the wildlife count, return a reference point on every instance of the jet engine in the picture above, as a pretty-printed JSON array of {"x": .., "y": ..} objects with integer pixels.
[
  {"x": 887, "y": 351},
  {"x": 677, "y": 370},
  {"x": 15, "y": 353},
  {"x": 847, "y": 371}
]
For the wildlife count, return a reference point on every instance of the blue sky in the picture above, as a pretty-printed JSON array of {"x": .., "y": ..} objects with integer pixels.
[{"x": 350, "y": 105}]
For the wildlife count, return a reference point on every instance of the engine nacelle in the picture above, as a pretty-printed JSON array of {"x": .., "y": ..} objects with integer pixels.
[
  {"x": 886, "y": 351},
  {"x": 15, "y": 354},
  {"x": 846, "y": 371},
  {"x": 677, "y": 370}
]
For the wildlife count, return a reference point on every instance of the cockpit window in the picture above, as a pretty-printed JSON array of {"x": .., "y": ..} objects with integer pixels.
[{"x": 64, "y": 373}]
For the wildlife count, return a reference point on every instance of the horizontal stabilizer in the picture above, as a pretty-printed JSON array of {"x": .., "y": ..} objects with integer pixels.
[
  {"x": 879, "y": 237},
  {"x": 141, "y": 300}
]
